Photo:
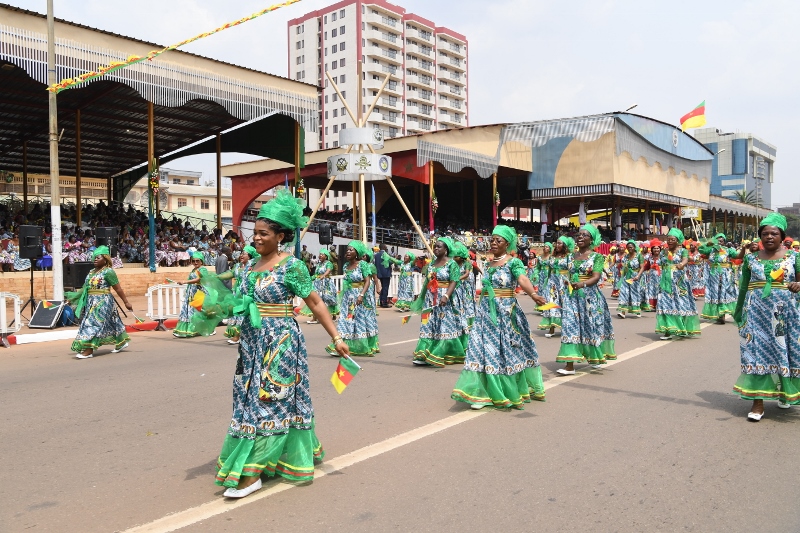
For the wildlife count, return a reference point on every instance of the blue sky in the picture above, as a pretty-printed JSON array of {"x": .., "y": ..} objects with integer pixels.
[{"x": 532, "y": 59}]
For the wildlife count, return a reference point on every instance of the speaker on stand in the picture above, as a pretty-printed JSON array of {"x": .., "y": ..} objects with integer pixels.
[
  {"x": 30, "y": 247},
  {"x": 325, "y": 234},
  {"x": 107, "y": 237}
]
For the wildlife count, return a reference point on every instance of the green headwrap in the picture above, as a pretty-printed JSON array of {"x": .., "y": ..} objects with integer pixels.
[
  {"x": 549, "y": 246},
  {"x": 286, "y": 211},
  {"x": 100, "y": 250},
  {"x": 411, "y": 256},
  {"x": 370, "y": 254},
  {"x": 774, "y": 219},
  {"x": 720, "y": 236},
  {"x": 756, "y": 241},
  {"x": 596, "y": 239},
  {"x": 451, "y": 246},
  {"x": 198, "y": 256},
  {"x": 569, "y": 242},
  {"x": 251, "y": 251},
  {"x": 677, "y": 233},
  {"x": 631, "y": 241},
  {"x": 359, "y": 247},
  {"x": 461, "y": 251},
  {"x": 507, "y": 233}
]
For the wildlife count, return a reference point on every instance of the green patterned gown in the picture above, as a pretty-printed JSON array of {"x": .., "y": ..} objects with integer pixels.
[{"x": 100, "y": 321}]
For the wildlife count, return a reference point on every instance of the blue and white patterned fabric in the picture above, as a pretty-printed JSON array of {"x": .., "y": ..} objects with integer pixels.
[
  {"x": 357, "y": 324},
  {"x": 630, "y": 294}
]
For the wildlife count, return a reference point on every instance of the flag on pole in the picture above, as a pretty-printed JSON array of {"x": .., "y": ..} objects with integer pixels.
[
  {"x": 169, "y": 280},
  {"x": 374, "y": 240},
  {"x": 344, "y": 374},
  {"x": 46, "y": 304},
  {"x": 548, "y": 306},
  {"x": 406, "y": 319},
  {"x": 138, "y": 320},
  {"x": 696, "y": 118},
  {"x": 426, "y": 315}
]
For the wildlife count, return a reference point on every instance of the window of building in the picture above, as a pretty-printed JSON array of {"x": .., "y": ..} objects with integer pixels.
[
  {"x": 335, "y": 113},
  {"x": 176, "y": 181},
  {"x": 334, "y": 49},
  {"x": 344, "y": 93},
  {"x": 335, "y": 207},
  {"x": 336, "y": 79},
  {"x": 341, "y": 13},
  {"x": 336, "y": 144},
  {"x": 343, "y": 111},
  {"x": 325, "y": 18},
  {"x": 333, "y": 32},
  {"x": 343, "y": 126},
  {"x": 341, "y": 62},
  {"x": 326, "y": 98},
  {"x": 335, "y": 128},
  {"x": 181, "y": 202},
  {"x": 344, "y": 207},
  {"x": 341, "y": 31},
  {"x": 189, "y": 182},
  {"x": 326, "y": 55},
  {"x": 203, "y": 204},
  {"x": 341, "y": 47},
  {"x": 334, "y": 64},
  {"x": 326, "y": 115},
  {"x": 226, "y": 205},
  {"x": 342, "y": 78},
  {"x": 336, "y": 194},
  {"x": 333, "y": 16},
  {"x": 327, "y": 145},
  {"x": 326, "y": 130},
  {"x": 298, "y": 60},
  {"x": 335, "y": 97}
]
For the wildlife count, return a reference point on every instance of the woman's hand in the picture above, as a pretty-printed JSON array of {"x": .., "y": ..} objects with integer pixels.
[
  {"x": 342, "y": 348},
  {"x": 444, "y": 300},
  {"x": 794, "y": 287},
  {"x": 540, "y": 300},
  {"x": 360, "y": 299},
  {"x": 128, "y": 305}
]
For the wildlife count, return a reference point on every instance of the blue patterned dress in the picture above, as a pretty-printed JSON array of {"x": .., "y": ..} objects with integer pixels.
[
  {"x": 234, "y": 328},
  {"x": 357, "y": 324},
  {"x": 502, "y": 364},
  {"x": 272, "y": 427},
  {"x": 405, "y": 287},
  {"x": 544, "y": 275},
  {"x": 325, "y": 287},
  {"x": 695, "y": 269},
  {"x": 185, "y": 329},
  {"x": 769, "y": 330},
  {"x": 630, "y": 290},
  {"x": 676, "y": 313},
  {"x": 558, "y": 267},
  {"x": 100, "y": 321},
  {"x": 443, "y": 339},
  {"x": 19, "y": 263},
  {"x": 720, "y": 284},
  {"x": 586, "y": 329},
  {"x": 468, "y": 289},
  {"x": 651, "y": 279}
]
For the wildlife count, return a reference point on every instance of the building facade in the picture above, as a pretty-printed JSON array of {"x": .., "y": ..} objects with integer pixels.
[
  {"x": 743, "y": 162},
  {"x": 427, "y": 67}
]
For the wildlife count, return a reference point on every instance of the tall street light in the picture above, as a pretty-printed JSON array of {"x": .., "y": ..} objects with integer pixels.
[{"x": 55, "y": 190}]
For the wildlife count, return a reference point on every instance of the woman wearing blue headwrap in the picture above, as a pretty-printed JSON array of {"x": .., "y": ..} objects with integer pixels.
[
  {"x": 502, "y": 365},
  {"x": 185, "y": 328},
  {"x": 769, "y": 322},
  {"x": 720, "y": 284},
  {"x": 558, "y": 269},
  {"x": 586, "y": 329},
  {"x": 676, "y": 313}
]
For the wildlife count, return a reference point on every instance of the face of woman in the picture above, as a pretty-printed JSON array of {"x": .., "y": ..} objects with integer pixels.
[
  {"x": 720, "y": 241},
  {"x": 560, "y": 247},
  {"x": 266, "y": 241},
  {"x": 672, "y": 242},
  {"x": 99, "y": 261},
  {"x": 655, "y": 250},
  {"x": 692, "y": 248},
  {"x": 244, "y": 257},
  {"x": 350, "y": 254},
  {"x": 197, "y": 263},
  {"x": 498, "y": 245},
  {"x": 584, "y": 240},
  {"x": 770, "y": 238},
  {"x": 630, "y": 247},
  {"x": 754, "y": 247},
  {"x": 439, "y": 249},
  {"x": 406, "y": 259}
]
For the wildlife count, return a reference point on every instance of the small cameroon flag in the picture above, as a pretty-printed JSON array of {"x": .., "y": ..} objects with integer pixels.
[
  {"x": 344, "y": 374},
  {"x": 169, "y": 280},
  {"x": 197, "y": 301},
  {"x": 548, "y": 306},
  {"x": 406, "y": 319},
  {"x": 629, "y": 280},
  {"x": 777, "y": 275},
  {"x": 138, "y": 320},
  {"x": 426, "y": 315},
  {"x": 46, "y": 304}
]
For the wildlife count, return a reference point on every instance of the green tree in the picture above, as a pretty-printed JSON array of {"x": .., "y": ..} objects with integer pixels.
[
  {"x": 793, "y": 225},
  {"x": 747, "y": 197}
]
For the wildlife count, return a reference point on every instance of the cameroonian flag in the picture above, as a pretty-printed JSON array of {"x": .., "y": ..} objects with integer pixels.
[
  {"x": 169, "y": 281},
  {"x": 197, "y": 301},
  {"x": 406, "y": 319},
  {"x": 138, "y": 320},
  {"x": 777, "y": 275},
  {"x": 344, "y": 374},
  {"x": 696, "y": 118},
  {"x": 426, "y": 315},
  {"x": 548, "y": 306},
  {"x": 46, "y": 304}
]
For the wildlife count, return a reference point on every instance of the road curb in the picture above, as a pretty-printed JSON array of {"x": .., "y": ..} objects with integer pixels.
[{"x": 67, "y": 334}]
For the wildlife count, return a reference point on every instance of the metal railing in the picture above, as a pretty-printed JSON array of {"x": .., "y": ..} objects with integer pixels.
[{"x": 388, "y": 236}]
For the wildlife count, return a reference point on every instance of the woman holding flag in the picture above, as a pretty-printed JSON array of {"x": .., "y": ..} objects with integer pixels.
[
  {"x": 630, "y": 293},
  {"x": 357, "y": 324},
  {"x": 676, "y": 314},
  {"x": 586, "y": 329},
  {"x": 95, "y": 305},
  {"x": 720, "y": 285},
  {"x": 502, "y": 365},
  {"x": 272, "y": 428},
  {"x": 191, "y": 299},
  {"x": 769, "y": 322},
  {"x": 558, "y": 268},
  {"x": 443, "y": 335},
  {"x": 405, "y": 288}
]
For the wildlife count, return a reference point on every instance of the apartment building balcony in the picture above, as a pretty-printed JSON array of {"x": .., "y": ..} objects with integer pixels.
[
  {"x": 391, "y": 101},
  {"x": 392, "y": 87},
  {"x": 393, "y": 56},
  {"x": 453, "y": 119},
  {"x": 451, "y": 105},
  {"x": 456, "y": 49},
  {"x": 419, "y": 110},
  {"x": 382, "y": 37},
  {"x": 384, "y": 118},
  {"x": 416, "y": 79},
  {"x": 453, "y": 90},
  {"x": 419, "y": 34},
  {"x": 383, "y": 21},
  {"x": 413, "y": 48},
  {"x": 381, "y": 70},
  {"x": 414, "y": 64},
  {"x": 456, "y": 77}
]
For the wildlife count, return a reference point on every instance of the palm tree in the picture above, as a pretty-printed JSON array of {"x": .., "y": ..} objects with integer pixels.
[{"x": 747, "y": 197}]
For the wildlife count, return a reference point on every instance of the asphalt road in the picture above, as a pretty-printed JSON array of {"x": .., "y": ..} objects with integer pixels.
[{"x": 654, "y": 442}]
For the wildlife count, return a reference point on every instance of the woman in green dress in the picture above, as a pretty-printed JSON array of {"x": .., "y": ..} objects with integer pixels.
[
  {"x": 95, "y": 305},
  {"x": 630, "y": 289},
  {"x": 769, "y": 322},
  {"x": 720, "y": 283},
  {"x": 272, "y": 430},
  {"x": 558, "y": 268},
  {"x": 405, "y": 288},
  {"x": 586, "y": 330},
  {"x": 185, "y": 329},
  {"x": 676, "y": 314},
  {"x": 324, "y": 286},
  {"x": 234, "y": 328}
]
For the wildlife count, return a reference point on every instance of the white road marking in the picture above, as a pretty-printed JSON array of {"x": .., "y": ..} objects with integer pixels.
[
  {"x": 219, "y": 506},
  {"x": 401, "y": 342}
]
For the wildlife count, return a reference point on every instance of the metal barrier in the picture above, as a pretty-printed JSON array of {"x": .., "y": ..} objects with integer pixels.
[
  {"x": 169, "y": 299},
  {"x": 17, "y": 322}
]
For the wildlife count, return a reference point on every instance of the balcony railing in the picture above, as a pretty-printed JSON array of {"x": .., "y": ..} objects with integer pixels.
[
  {"x": 389, "y": 21},
  {"x": 455, "y": 76},
  {"x": 390, "y": 69},
  {"x": 455, "y": 48},
  {"x": 389, "y": 101},
  {"x": 390, "y": 53},
  {"x": 456, "y": 62},
  {"x": 455, "y": 90}
]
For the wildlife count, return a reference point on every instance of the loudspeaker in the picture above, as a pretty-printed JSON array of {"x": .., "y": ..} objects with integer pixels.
[
  {"x": 107, "y": 237},
  {"x": 30, "y": 242},
  {"x": 75, "y": 274},
  {"x": 325, "y": 234}
]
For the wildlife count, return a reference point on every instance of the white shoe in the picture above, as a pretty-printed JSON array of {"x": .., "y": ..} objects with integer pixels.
[
  {"x": 231, "y": 341},
  {"x": 476, "y": 406},
  {"x": 666, "y": 338},
  {"x": 312, "y": 321},
  {"x": 596, "y": 366},
  {"x": 784, "y": 405},
  {"x": 549, "y": 335},
  {"x": 565, "y": 372},
  {"x": 241, "y": 493},
  {"x": 755, "y": 417},
  {"x": 81, "y": 356},
  {"x": 213, "y": 333},
  {"x": 420, "y": 363},
  {"x": 621, "y": 315},
  {"x": 117, "y": 350}
]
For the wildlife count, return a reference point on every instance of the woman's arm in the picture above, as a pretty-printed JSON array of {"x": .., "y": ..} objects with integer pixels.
[
  {"x": 320, "y": 310},
  {"x": 118, "y": 289}
]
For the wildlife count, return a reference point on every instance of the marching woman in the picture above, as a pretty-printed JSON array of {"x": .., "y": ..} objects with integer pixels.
[
  {"x": 614, "y": 263},
  {"x": 324, "y": 286},
  {"x": 502, "y": 365},
  {"x": 372, "y": 296},
  {"x": 542, "y": 282},
  {"x": 234, "y": 328},
  {"x": 272, "y": 428},
  {"x": 676, "y": 314},
  {"x": 357, "y": 323},
  {"x": 694, "y": 271},
  {"x": 95, "y": 305},
  {"x": 405, "y": 287},
  {"x": 630, "y": 288},
  {"x": 769, "y": 322},
  {"x": 652, "y": 277},
  {"x": 443, "y": 337},
  {"x": 464, "y": 295},
  {"x": 185, "y": 328},
  {"x": 720, "y": 285},
  {"x": 558, "y": 267},
  {"x": 586, "y": 329}
]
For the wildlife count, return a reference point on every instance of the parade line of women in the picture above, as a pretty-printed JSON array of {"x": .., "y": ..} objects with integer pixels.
[{"x": 273, "y": 428}]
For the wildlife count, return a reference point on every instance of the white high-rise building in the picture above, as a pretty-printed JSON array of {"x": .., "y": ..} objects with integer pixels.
[{"x": 428, "y": 85}]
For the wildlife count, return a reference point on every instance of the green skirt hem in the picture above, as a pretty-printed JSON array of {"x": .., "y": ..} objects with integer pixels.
[
  {"x": 717, "y": 311},
  {"x": 678, "y": 326},
  {"x": 185, "y": 330},
  {"x": 500, "y": 390},
  {"x": 93, "y": 344},
  {"x": 548, "y": 322},
  {"x": 442, "y": 352},
  {"x": 402, "y": 305},
  {"x": 768, "y": 387},
  {"x": 361, "y": 347},
  {"x": 594, "y": 355}
]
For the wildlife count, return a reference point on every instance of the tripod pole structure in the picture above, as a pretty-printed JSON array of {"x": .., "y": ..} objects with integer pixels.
[
  {"x": 411, "y": 218},
  {"x": 319, "y": 203}
]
